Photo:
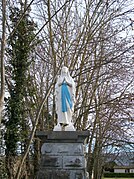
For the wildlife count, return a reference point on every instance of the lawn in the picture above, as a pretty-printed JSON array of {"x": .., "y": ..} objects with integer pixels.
[{"x": 117, "y": 178}]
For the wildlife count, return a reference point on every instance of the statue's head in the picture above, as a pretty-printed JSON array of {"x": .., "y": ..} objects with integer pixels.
[{"x": 64, "y": 70}]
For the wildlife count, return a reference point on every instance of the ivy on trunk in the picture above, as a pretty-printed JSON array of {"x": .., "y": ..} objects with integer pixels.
[{"x": 19, "y": 49}]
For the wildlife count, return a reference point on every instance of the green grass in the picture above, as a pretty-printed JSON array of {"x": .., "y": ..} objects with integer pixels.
[{"x": 117, "y": 178}]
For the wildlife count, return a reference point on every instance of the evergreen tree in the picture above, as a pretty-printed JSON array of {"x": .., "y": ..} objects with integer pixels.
[{"x": 19, "y": 50}]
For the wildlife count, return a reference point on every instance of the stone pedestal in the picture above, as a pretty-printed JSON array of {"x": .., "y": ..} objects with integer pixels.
[{"x": 62, "y": 155}]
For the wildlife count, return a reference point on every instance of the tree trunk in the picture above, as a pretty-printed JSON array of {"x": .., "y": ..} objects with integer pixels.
[{"x": 3, "y": 42}]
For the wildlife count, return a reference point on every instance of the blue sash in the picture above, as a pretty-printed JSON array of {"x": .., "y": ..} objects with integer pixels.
[{"x": 65, "y": 97}]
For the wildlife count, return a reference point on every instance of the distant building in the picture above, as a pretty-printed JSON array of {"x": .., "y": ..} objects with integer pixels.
[
  {"x": 123, "y": 169},
  {"x": 120, "y": 162}
]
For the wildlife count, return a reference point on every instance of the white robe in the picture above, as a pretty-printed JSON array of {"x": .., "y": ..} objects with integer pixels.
[{"x": 64, "y": 117}]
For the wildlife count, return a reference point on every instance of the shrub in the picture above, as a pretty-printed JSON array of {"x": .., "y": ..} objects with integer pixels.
[{"x": 119, "y": 175}]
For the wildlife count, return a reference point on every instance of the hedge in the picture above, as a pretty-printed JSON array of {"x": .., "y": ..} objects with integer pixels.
[{"x": 119, "y": 175}]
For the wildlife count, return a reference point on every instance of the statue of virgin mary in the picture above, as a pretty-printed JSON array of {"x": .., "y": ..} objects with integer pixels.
[{"x": 64, "y": 99}]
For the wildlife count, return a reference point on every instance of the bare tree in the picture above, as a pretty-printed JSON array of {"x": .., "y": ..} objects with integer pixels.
[{"x": 87, "y": 37}]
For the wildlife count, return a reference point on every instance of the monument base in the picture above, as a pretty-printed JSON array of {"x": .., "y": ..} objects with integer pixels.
[{"x": 62, "y": 155}]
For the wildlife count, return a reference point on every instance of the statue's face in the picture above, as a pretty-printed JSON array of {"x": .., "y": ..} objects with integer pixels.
[{"x": 64, "y": 70}]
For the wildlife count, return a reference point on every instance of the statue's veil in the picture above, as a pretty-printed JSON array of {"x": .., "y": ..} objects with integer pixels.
[{"x": 65, "y": 69}]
